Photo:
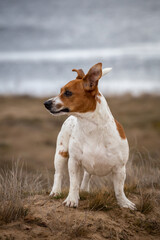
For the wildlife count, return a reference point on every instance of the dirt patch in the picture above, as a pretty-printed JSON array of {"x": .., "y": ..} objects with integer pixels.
[{"x": 49, "y": 219}]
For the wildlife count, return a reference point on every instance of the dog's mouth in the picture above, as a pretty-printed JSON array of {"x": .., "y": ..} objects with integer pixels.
[{"x": 64, "y": 110}]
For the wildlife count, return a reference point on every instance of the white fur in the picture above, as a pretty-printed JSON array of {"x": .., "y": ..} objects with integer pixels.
[{"x": 93, "y": 142}]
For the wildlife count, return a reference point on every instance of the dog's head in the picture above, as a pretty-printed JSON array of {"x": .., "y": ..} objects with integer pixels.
[{"x": 79, "y": 95}]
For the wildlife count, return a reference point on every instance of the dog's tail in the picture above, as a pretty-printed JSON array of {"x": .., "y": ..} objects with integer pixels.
[{"x": 105, "y": 71}]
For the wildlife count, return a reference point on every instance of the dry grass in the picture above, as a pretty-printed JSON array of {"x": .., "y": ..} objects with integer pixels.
[
  {"x": 146, "y": 202},
  {"x": 99, "y": 200},
  {"x": 143, "y": 170},
  {"x": 15, "y": 184}
]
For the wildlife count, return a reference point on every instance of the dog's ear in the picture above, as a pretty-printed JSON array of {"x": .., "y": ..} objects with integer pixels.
[
  {"x": 90, "y": 81},
  {"x": 80, "y": 73}
]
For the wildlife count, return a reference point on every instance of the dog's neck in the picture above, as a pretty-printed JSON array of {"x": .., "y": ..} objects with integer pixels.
[{"x": 96, "y": 119}]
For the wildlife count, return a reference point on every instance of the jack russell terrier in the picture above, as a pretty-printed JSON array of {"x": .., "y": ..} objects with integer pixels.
[{"x": 90, "y": 138}]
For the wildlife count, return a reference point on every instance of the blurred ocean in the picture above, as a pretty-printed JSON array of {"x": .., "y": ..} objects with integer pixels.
[{"x": 41, "y": 41}]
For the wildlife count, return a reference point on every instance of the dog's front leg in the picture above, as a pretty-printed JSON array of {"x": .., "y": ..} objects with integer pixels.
[
  {"x": 74, "y": 169},
  {"x": 59, "y": 163}
]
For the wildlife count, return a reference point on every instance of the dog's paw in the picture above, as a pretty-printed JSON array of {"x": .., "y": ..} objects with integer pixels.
[
  {"x": 55, "y": 193},
  {"x": 128, "y": 204},
  {"x": 71, "y": 202}
]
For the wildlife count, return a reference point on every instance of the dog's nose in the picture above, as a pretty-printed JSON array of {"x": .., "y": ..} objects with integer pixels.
[{"x": 48, "y": 104}]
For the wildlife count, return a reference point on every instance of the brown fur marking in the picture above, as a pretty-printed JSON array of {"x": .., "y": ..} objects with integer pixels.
[
  {"x": 84, "y": 91},
  {"x": 81, "y": 101},
  {"x": 80, "y": 73},
  {"x": 64, "y": 154},
  {"x": 59, "y": 105},
  {"x": 120, "y": 129}
]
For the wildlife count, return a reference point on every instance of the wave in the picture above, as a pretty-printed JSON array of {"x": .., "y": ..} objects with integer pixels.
[
  {"x": 139, "y": 51},
  {"x": 44, "y": 87}
]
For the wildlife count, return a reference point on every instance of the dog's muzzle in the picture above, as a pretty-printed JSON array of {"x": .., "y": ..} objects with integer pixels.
[{"x": 53, "y": 108}]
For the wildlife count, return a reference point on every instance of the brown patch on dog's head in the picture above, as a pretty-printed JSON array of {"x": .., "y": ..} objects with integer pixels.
[
  {"x": 120, "y": 129},
  {"x": 64, "y": 154},
  {"x": 79, "y": 95},
  {"x": 79, "y": 100}
]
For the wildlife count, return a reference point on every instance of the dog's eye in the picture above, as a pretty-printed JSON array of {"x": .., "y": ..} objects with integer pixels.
[{"x": 67, "y": 93}]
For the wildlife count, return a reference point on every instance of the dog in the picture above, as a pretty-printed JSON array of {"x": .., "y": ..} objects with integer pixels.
[{"x": 90, "y": 138}]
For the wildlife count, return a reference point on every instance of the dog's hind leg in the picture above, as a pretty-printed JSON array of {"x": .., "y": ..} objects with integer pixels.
[
  {"x": 119, "y": 176},
  {"x": 85, "y": 185}
]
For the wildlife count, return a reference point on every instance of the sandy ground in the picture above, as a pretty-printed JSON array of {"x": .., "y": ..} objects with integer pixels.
[
  {"x": 49, "y": 219},
  {"x": 28, "y": 132}
]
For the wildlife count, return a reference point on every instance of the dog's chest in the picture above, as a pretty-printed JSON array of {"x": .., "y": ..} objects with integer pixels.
[{"x": 94, "y": 151}]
